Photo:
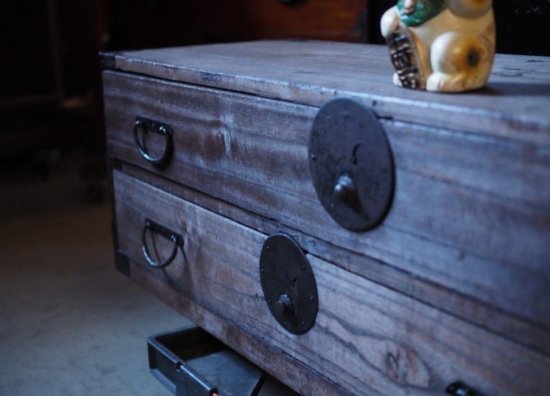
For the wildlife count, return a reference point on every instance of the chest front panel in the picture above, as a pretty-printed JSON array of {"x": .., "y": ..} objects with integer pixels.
[{"x": 454, "y": 279}]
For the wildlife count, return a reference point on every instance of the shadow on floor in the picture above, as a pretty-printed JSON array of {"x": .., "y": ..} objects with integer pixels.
[{"x": 71, "y": 325}]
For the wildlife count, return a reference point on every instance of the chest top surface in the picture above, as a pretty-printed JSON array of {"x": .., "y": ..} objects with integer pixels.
[{"x": 514, "y": 104}]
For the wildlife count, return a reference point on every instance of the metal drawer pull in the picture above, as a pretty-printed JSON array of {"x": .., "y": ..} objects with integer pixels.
[
  {"x": 461, "y": 389},
  {"x": 351, "y": 164},
  {"x": 145, "y": 125},
  {"x": 155, "y": 228},
  {"x": 289, "y": 284}
]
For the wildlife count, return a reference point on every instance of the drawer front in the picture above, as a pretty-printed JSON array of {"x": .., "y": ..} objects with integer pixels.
[
  {"x": 470, "y": 213},
  {"x": 209, "y": 21},
  {"x": 238, "y": 20},
  {"x": 367, "y": 339}
]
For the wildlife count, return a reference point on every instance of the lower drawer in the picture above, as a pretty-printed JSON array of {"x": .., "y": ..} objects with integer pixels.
[{"x": 367, "y": 339}]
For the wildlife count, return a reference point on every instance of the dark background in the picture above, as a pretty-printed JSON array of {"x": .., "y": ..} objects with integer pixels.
[{"x": 50, "y": 84}]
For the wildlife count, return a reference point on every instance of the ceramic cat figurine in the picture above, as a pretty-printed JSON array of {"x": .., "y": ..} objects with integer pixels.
[{"x": 441, "y": 45}]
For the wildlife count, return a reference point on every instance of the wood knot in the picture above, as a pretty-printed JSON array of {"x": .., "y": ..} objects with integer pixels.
[{"x": 404, "y": 367}]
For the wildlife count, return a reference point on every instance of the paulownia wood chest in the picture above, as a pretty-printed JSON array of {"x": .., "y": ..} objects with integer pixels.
[{"x": 216, "y": 148}]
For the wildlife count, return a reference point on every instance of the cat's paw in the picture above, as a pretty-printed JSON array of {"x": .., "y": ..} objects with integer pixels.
[
  {"x": 397, "y": 80},
  {"x": 441, "y": 82}
]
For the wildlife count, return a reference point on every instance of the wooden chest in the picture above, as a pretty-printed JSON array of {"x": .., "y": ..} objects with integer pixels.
[{"x": 211, "y": 154}]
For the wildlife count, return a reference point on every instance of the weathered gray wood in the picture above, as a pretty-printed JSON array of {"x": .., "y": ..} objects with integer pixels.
[
  {"x": 471, "y": 212},
  {"x": 308, "y": 72},
  {"x": 466, "y": 308},
  {"x": 256, "y": 349},
  {"x": 368, "y": 338}
]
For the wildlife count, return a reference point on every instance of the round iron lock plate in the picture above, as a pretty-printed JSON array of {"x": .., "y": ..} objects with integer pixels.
[
  {"x": 351, "y": 164},
  {"x": 288, "y": 284}
]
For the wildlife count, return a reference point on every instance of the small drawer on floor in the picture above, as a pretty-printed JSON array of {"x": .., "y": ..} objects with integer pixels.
[{"x": 192, "y": 362}]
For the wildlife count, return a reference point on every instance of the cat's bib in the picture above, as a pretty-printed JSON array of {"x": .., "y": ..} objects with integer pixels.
[{"x": 424, "y": 11}]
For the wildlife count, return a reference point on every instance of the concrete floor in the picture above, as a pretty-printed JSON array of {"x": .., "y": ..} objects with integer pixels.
[{"x": 69, "y": 324}]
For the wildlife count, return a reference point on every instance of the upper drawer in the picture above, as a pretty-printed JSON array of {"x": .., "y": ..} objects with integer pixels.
[
  {"x": 470, "y": 213},
  {"x": 367, "y": 339}
]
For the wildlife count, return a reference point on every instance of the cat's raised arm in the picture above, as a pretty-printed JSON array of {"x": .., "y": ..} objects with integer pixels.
[{"x": 390, "y": 22}]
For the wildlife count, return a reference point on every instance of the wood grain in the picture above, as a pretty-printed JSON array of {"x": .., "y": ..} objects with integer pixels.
[
  {"x": 256, "y": 349},
  {"x": 471, "y": 212},
  {"x": 368, "y": 339},
  {"x": 466, "y": 308},
  {"x": 514, "y": 105}
]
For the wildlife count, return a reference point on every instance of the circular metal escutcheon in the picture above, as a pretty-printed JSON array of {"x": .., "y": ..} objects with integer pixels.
[
  {"x": 288, "y": 284},
  {"x": 351, "y": 164}
]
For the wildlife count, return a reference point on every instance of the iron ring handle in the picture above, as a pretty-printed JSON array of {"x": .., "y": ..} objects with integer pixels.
[
  {"x": 176, "y": 240},
  {"x": 162, "y": 130}
]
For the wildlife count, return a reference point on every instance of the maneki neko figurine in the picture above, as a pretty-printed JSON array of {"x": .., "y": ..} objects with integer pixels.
[{"x": 441, "y": 45}]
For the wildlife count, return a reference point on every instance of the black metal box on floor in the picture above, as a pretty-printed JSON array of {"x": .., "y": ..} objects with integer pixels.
[{"x": 191, "y": 362}]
